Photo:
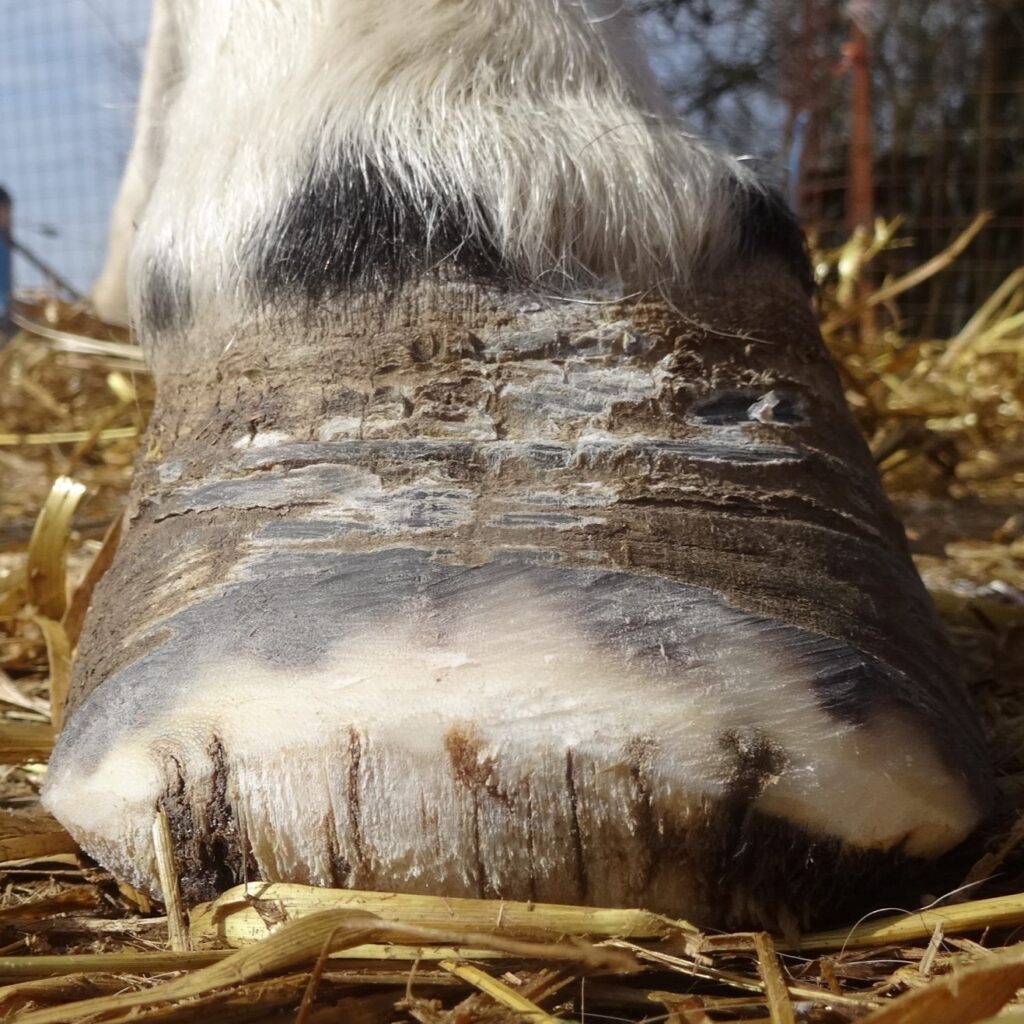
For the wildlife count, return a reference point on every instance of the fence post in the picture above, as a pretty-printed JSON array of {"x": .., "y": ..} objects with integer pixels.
[
  {"x": 6, "y": 259},
  {"x": 861, "y": 200}
]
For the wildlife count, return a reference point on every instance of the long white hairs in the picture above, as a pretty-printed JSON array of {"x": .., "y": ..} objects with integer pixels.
[{"x": 538, "y": 118}]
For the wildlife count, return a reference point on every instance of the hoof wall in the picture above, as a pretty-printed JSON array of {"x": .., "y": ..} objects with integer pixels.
[{"x": 513, "y": 730}]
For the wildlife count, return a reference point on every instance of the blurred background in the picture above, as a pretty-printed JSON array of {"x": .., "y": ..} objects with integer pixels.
[
  {"x": 909, "y": 108},
  {"x": 865, "y": 108}
]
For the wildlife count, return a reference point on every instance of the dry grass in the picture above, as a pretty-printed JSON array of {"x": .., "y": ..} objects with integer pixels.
[{"x": 945, "y": 419}]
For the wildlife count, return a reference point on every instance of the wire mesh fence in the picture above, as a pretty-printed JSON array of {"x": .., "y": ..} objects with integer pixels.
[
  {"x": 69, "y": 72},
  {"x": 947, "y": 136}
]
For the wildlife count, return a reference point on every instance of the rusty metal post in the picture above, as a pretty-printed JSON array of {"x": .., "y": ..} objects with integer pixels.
[
  {"x": 860, "y": 205},
  {"x": 860, "y": 191}
]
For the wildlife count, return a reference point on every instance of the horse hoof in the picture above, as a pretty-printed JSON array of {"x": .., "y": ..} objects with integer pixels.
[{"x": 689, "y": 668}]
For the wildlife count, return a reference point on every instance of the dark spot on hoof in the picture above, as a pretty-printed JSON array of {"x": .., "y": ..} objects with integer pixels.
[
  {"x": 470, "y": 766},
  {"x": 731, "y": 407},
  {"x": 204, "y": 830},
  {"x": 775, "y": 406},
  {"x": 758, "y": 761}
]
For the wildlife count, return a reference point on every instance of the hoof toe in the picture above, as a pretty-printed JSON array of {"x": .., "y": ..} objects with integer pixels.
[{"x": 515, "y": 730}]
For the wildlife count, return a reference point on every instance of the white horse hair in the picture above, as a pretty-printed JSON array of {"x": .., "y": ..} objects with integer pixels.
[{"x": 534, "y": 124}]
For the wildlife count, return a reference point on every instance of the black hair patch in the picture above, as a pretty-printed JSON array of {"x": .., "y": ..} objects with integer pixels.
[
  {"x": 165, "y": 303},
  {"x": 768, "y": 227},
  {"x": 352, "y": 225}
]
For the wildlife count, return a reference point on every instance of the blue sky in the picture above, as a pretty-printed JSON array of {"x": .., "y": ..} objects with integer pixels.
[{"x": 68, "y": 78}]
